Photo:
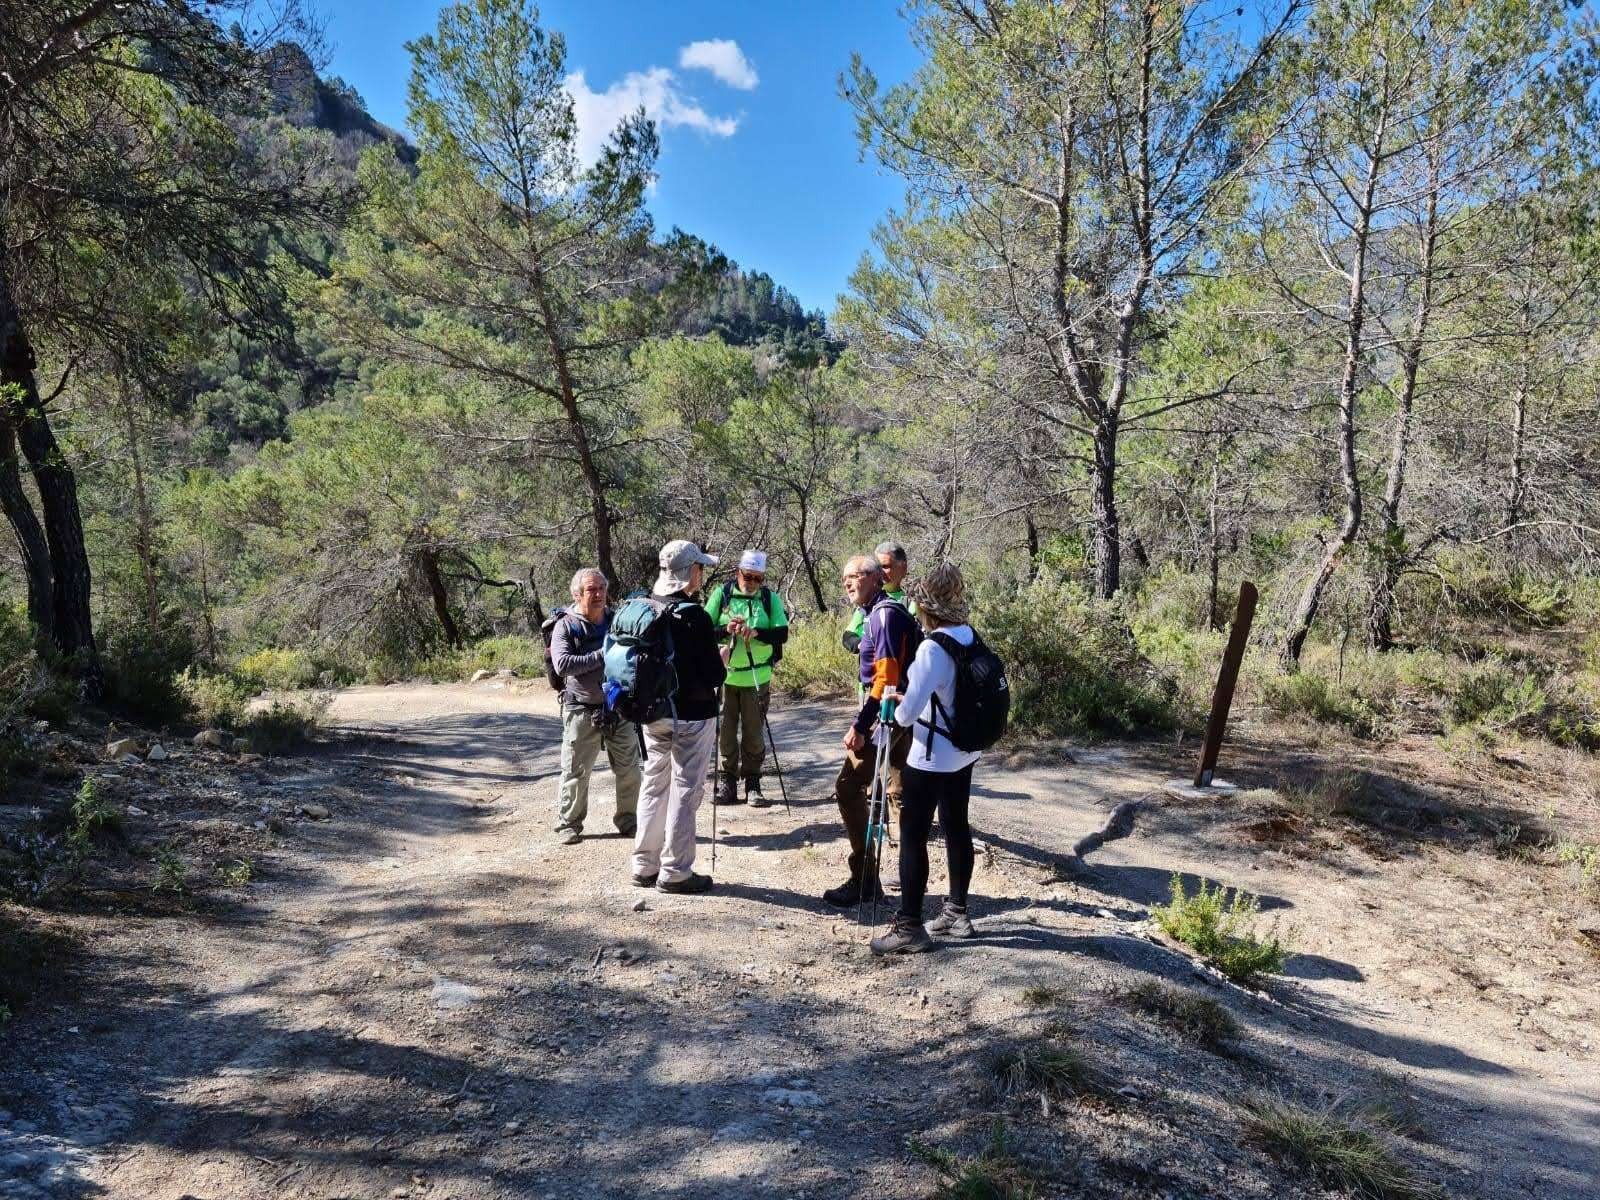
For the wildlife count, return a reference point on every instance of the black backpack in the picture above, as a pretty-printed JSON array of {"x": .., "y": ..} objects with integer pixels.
[
  {"x": 547, "y": 630},
  {"x": 982, "y": 700},
  {"x": 766, "y": 603}
]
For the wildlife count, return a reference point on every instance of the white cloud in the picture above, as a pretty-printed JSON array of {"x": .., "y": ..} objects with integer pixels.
[
  {"x": 656, "y": 90},
  {"x": 723, "y": 58}
]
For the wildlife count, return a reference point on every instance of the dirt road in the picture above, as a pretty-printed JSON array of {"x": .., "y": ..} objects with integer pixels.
[{"x": 425, "y": 996}]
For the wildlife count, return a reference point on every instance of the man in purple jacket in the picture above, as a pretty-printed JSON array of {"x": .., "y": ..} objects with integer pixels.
[{"x": 889, "y": 639}]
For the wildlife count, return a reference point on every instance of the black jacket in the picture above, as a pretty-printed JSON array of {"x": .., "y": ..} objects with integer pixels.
[{"x": 696, "y": 658}]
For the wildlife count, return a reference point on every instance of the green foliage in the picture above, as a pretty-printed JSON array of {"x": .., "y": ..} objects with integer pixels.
[
  {"x": 92, "y": 811},
  {"x": 1584, "y": 857},
  {"x": 283, "y": 670},
  {"x": 215, "y": 701},
  {"x": 238, "y": 873},
  {"x": 1343, "y": 1146},
  {"x": 1073, "y": 663},
  {"x": 1310, "y": 695},
  {"x": 815, "y": 662},
  {"x": 1048, "y": 1067},
  {"x": 1198, "y": 1018},
  {"x": 993, "y": 1175},
  {"x": 171, "y": 873},
  {"x": 524, "y": 655},
  {"x": 144, "y": 672},
  {"x": 283, "y": 726},
  {"x": 1219, "y": 924}
]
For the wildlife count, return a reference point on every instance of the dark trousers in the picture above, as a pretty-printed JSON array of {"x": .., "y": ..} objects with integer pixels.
[
  {"x": 947, "y": 793},
  {"x": 854, "y": 786}
]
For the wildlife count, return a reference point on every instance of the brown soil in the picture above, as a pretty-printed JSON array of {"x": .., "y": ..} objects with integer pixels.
[{"x": 423, "y": 995}]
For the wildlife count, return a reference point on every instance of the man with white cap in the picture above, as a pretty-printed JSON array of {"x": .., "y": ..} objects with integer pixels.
[
  {"x": 751, "y": 614},
  {"x": 679, "y": 745}
]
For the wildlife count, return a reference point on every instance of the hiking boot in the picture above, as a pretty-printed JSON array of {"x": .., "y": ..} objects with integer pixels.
[
  {"x": 848, "y": 893},
  {"x": 692, "y": 886},
  {"x": 567, "y": 836},
  {"x": 752, "y": 791},
  {"x": 727, "y": 791},
  {"x": 627, "y": 826},
  {"x": 645, "y": 880},
  {"x": 952, "y": 921},
  {"x": 904, "y": 936}
]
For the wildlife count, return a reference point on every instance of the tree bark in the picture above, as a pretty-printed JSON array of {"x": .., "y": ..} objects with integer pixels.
[
  {"x": 143, "y": 530},
  {"x": 29, "y": 534},
  {"x": 1516, "y": 485},
  {"x": 1214, "y": 540},
  {"x": 1031, "y": 529},
  {"x": 1305, "y": 609},
  {"x": 428, "y": 560},
  {"x": 1107, "y": 529},
  {"x": 71, "y": 624},
  {"x": 806, "y": 558}
]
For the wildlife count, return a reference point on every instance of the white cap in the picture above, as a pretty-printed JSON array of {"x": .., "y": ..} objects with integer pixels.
[
  {"x": 675, "y": 560},
  {"x": 753, "y": 560}
]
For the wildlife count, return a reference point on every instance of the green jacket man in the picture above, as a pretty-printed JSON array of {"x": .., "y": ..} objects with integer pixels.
[{"x": 752, "y": 614}]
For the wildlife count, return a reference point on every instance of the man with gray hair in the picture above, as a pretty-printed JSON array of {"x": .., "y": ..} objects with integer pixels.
[
  {"x": 577, "y": 645},
  {"x": 892, "y": 561}
]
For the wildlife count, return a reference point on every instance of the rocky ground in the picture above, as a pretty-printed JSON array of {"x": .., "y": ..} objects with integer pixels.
[{"x": 415, "y": 992}]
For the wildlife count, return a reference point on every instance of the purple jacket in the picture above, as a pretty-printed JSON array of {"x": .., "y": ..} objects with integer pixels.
[{"x": 889, "y": 641}]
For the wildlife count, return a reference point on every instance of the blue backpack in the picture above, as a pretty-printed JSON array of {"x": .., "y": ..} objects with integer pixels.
[{"x": 640, "y": 678}]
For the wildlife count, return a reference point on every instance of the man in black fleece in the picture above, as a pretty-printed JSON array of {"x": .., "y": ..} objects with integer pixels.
[{"x": 679, "y": 746}]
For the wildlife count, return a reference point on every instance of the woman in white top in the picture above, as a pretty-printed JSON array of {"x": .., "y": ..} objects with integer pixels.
[{"x": 937, "y": 777}]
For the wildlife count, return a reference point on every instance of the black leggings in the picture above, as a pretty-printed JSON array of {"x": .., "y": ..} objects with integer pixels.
[{"x": 925, "y": 792}]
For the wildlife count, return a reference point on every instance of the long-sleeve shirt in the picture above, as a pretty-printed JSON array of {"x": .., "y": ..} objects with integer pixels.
[
  {"x": 696, "y": 659},
  {"x": 889, "y": 638},
  {"x": 751, "y": 664},
  {"x": 933, "y": 673},
  {"x": 577, "y": 648}
]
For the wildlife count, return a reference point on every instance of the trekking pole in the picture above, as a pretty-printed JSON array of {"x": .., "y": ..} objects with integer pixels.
[
  {"x": 782, "y": 787},
  {"x": 877, "y": 809}
]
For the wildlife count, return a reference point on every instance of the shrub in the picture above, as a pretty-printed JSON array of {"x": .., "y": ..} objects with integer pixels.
[
  {"x": 238, "y": 873},
  {"x": 216, "y": 701},
  {"x": 283, "y": 725},
  {"x": 524, "y": 655},
  {"x": 1585, "y": 858},
  {"x": 92, "y": 811},
  {"x": 1313, "y": 696},
  {"x": 1046, "y": 1067},
  {"x": 815, "y": 662},
  {"x": 993, "y": 1175},
  {"x": 1347, "y": 1150},
  {"x": 171, "y": 875},
  {"x": 1219, "y": 925},
  {"x": 278, "y": 670},
  {"x": 1073, "y": 663},
  {"x": 1496, "y": 694},
  {"x": 1198, "y": 1018},
  {"x": 143, "y": 672},
  {"x": 1338, "y": 793}
]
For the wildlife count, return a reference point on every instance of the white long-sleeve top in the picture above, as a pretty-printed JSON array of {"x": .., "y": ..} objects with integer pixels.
[{"x": 933, "y": 673}]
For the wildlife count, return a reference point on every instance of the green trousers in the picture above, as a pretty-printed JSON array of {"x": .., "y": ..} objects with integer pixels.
[
  {"x": 581, "y": 743},
  {"x": 743, "y": 739}
]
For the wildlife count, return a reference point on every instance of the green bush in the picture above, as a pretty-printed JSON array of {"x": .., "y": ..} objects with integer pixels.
[
  {"x": 1219, "y": 925},
  {"x": 283, "y": 725},
  {"x": 1073, "y": 663},
  {"x": 92, "y": 811},
  {"x": 815, "y": 662},
  {"x": 143, "y": 672},
  {"x": 524, "y": 655},
  {"x": 278, "y": 670},
  {"x": 1309, "y": 695},
  {"x": 1348, "y": 1149},
  {"x": 215, "y": 701}
]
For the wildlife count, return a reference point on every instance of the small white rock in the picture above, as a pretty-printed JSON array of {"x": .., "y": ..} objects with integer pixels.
[{"x": 158, "y": 753}]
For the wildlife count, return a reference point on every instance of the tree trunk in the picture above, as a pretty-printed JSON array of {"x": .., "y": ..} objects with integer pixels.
[
  {"x": 1107, "y": 533},
  {"x": 1305, "y": 609},
  {"x": 72, "y": 625},
  {"x": 599, "y": 510},
  {"x": 29, "y": 534},
  {"x": 143, "y": 536},
  {"x": 806, "y": 557},
  {"x": 1031, "y": 529},
  {"x": 1516, "y": 485},
  {"x": 1214, "y": 541},
  {"x": 428, "y": 560}
]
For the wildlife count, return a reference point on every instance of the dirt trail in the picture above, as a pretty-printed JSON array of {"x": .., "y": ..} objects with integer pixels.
[{"x": 425, "y": 996}]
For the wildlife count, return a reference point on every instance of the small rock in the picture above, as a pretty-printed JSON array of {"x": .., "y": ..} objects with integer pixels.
[
  {"x": 158, "y": 753},
  {"x": 638, "y": 906},
  {"x": 211, "y": 739},
  {"x": 480, "y": 676},
  {"x": 792, "y": 1097},
  {"x": 122, "y": 747},
  {"x": 449, "y": 994},
  {"x": 317, "y": 812},
  {"x": 1128, "y": 1092},
  {"x": 135, "y": 811}
]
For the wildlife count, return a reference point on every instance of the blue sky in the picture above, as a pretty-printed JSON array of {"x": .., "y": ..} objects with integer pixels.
[{"x": 759, "y": 154}]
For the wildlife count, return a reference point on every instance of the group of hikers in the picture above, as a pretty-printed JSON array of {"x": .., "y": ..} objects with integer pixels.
[{"x": 678, "y": 676}]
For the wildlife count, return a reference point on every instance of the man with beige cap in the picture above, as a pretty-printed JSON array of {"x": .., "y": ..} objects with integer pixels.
[{"x": 679, "y": 745}]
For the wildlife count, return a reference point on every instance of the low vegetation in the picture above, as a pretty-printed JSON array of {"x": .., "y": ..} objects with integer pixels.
[
  {"x": 1347, "y": 1148},
  {"x": 995, "y": 1174},
  {"x": 1220, "y": 925},
  {"x": 1198, "y": 1018}
]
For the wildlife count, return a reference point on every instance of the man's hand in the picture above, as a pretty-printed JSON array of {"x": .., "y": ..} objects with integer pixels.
[
  {"x": 854, "y": 740},
  {"x": 726, "y": 652}
]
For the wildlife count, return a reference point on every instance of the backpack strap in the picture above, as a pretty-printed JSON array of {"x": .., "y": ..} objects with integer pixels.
[{"x": 953, "y": 648}]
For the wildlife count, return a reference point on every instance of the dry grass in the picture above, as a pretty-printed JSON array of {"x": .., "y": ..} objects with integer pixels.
[
  {"x": 1198, "y": 1018},
  {"x": 1348, "y": 1149}
]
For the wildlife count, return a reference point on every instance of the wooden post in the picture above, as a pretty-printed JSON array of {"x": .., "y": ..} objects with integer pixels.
[{"x": 1227, "y": 678}]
